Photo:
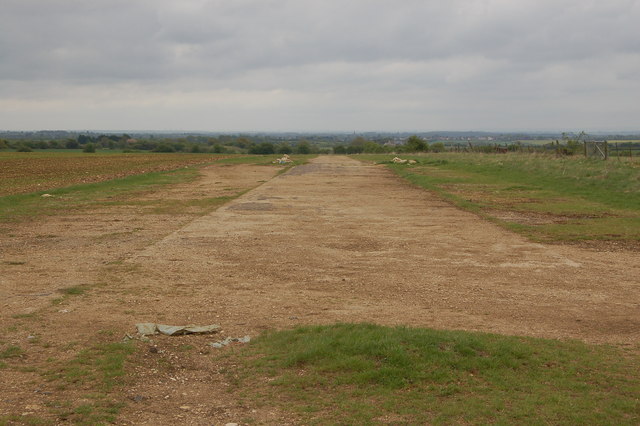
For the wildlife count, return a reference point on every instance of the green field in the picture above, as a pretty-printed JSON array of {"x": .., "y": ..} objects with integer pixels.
[{"x": 544, "y": 197}]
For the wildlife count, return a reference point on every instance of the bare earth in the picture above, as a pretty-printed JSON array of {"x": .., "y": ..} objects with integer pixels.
[{"x": 333, "y": 240}]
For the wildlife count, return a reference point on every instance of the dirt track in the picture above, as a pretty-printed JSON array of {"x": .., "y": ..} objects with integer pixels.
[
  {"x": 337, "y": 240},
  {"x": 334, "y": 240}
]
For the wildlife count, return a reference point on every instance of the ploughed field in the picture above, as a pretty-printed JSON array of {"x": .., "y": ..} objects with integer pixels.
[{"x": 27, "y": 172}]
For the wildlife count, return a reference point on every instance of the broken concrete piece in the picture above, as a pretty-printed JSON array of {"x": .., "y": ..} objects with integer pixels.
[
  {"x": 148, "y": 328},
  {"x": 225, "y": 342}
]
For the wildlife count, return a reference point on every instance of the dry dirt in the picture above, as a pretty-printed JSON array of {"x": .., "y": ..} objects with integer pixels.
[{"x": 333, "y": 240}]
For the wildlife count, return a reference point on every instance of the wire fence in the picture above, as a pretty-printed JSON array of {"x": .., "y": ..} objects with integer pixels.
[{"x": 595, "y": 149}]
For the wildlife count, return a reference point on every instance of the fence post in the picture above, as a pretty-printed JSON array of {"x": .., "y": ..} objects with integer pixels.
[
  {"x": 584, "y": 143},
  {"x": 606, "y": 150}
]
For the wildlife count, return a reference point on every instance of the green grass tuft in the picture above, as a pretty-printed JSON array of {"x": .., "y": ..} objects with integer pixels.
[
  {"x": 363, "y": 373},
  {"x": 11, "y": 352},
  {"x": 74, "y": 290}
]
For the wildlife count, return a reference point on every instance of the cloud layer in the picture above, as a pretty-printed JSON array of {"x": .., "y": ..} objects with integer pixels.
[{"x": 303, "y": 65}]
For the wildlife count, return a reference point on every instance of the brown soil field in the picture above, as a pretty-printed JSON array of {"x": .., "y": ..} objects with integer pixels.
[
  {"x": 28, "y": 172},
  {"x": 333, "y": 240}
]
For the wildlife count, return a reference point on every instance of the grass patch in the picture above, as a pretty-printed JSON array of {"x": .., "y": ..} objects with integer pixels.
[
  {"x": 102, "y": 365},
  {"x": 365, "y": 374},
  {"x": 24, "y": 316},
  {"x": 23, "y": 420},
  {"x": 554, "y": 198},
  {"x": 11, "y": 352},
  {"x": 74, "y": 290},
  {"x": 97, "y": 370}
]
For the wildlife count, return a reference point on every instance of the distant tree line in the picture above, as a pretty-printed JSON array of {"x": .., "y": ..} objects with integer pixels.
[
  {"x": 222, "y": 144},
  {"x": 569, "y": 144},
  {"x": 413, "y": 144},
  {"x": 192, "y": 144}
]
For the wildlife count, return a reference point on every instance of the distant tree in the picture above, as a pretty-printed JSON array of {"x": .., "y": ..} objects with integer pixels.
[
  {"x": 84, "y": 139},
  {"x": 164, "y": 147},
  {"x": 195, "y": 148},
  {"x": 340, "y": 149},
  {"x": 218, "y": 149},
  {"x": 284, "y": 148},
  {"x": 303, "y": 147},
  {"x": 262, "y": 148},
  {"x": 372, "y": 147},
  {"x": 3, "y": 144},
  {"x": 437, "y": 147},
  {"x": 90, "y": 148},
  {"x": 242, "y": 142},
  {"x": 415, "y": 144},
  {"x": 357, "y": 145},
  {"x": 24, "y": 148},
  {"x": 72, "y": 144}
]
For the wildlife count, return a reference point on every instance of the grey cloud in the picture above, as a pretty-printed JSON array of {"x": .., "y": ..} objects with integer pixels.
[
  {"x": 329, "y": 54},
  {"x": 119, "y": 39}
]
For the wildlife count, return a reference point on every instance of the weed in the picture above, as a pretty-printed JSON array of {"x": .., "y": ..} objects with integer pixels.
[
  {"x": 11, "y": 352},
  {"x": 74, "y": 290}
]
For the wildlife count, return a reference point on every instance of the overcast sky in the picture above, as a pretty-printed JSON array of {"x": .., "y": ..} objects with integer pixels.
[{"x": 322, "y": 65}]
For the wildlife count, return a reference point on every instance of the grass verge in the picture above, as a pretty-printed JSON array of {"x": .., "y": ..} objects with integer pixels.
[
  {"x": 365, "y": 374},
  {"x": 543, "y": 197}
]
